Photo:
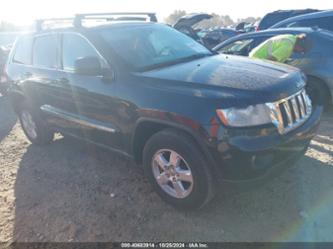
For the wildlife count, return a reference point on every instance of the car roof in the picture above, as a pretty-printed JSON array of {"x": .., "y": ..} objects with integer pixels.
[
  {"x": 283, "y": 30},
  {"x": 276, "y": 31},
  {"x": 292, "y": 12},
  {"x": 282, "y": 15},
  {"x": 267, "y": 32},
  {"x": 325, "y": 13}
]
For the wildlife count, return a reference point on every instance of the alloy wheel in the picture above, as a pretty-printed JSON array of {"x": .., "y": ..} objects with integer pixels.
[{"x": 172, "y": 173}]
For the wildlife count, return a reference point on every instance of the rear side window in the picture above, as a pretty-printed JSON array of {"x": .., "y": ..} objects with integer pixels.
[
  {"x": 22, "y": 53},
  {"x": 326, "y": 23},
  {"x": 45, "y": 51},
  {"x": 323, "y": 23},
  {"x": 73, "y": 48}
]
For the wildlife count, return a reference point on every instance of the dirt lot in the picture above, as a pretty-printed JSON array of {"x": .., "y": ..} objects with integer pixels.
[{"x": 70, "y": 191}]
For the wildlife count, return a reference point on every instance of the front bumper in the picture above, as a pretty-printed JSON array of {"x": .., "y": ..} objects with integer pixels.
[{"x": 250, "y": 154}]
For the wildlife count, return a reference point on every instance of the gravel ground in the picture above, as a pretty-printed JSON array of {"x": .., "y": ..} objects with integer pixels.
[{"x": 70, "y": 191}]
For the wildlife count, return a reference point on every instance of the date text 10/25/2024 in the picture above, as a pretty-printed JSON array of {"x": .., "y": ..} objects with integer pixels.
[{"x": 163, "y": 245}]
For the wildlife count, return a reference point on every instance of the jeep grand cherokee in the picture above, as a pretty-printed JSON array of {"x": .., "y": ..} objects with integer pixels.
[{"x": 151, "y": 93}]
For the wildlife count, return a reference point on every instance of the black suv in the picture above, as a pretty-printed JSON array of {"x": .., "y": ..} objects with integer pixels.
[{"x": 149, "y": 92}]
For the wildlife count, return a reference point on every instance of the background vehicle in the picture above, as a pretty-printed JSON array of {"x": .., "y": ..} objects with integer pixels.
[
  {"x": 6, "y": 41},
  {"x": 277, "y": 16},
  {"x": 245, "y": 27},
  {"x": 317, "y": 63},
  {"x": 155, "y": 95},
  {"x": 323, "y": 20},
  {"x": 185, "y": 24},
  {"x": 241, "y": 25},
  {"x": 209, "y": 38},
  {"x": 216, "y": 36},
  {"x": 4, "y": 51}
]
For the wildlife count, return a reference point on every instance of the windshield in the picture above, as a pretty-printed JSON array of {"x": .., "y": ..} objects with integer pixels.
[{"x": 152, "y": 46}]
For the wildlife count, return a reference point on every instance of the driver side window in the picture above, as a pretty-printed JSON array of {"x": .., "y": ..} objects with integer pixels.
[{"x": 73, "y": 48}]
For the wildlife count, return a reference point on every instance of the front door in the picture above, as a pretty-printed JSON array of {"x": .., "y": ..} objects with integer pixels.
[{"x": 93, "y": 97}]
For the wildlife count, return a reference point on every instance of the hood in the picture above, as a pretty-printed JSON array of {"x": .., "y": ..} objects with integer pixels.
[
  {"x": 244, "y": 80},
  {"x": 190, "y": 20}
]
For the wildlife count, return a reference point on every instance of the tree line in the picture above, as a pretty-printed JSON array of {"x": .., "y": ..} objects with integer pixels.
[{"x": 216, "y": 20}]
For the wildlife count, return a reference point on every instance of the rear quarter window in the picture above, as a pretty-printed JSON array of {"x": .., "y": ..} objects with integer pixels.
[{"x": 22, "y": 52}]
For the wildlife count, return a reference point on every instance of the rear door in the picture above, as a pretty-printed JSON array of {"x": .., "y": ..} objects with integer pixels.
[
  {"x": 47, "y": 78},
  {"x": 19, "y": 65}
]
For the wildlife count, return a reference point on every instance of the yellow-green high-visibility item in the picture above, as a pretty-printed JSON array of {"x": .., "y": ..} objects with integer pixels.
[{"x": 279, "y": 47}]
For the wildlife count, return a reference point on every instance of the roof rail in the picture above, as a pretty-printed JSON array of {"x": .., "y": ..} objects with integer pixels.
[
  {"x": 77, "y": 20},
  {"x": 109, "y": 17},
  {"x": 40, "y": 22}
]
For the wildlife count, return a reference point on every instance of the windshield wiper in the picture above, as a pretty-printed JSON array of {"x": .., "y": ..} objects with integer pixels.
[{"x": 177, "y": 61}]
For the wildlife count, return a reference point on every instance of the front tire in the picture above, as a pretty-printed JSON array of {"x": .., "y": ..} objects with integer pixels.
[
  {"x": 34, "y": 127},
  {"x": 177, "y": 170}
]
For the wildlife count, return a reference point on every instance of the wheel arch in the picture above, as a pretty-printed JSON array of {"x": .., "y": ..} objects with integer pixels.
[
  {"x": 146, "y": 127},
  {"x": 17, "y": 99},
  {"x": 313, "y": 78}
]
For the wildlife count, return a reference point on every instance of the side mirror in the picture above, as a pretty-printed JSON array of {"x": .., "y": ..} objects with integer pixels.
[{"x": 88, "y": 66}]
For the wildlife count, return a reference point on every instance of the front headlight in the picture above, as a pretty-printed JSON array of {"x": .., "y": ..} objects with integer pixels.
[{"x": 250, "y": 116}]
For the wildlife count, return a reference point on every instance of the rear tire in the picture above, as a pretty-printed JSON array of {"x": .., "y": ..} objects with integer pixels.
[
  {"x": 185, "y": 181},
  {"x": 34, "y": 127}
]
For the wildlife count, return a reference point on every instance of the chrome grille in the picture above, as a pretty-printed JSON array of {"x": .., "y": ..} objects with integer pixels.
[{"x": 291, "y": 112}]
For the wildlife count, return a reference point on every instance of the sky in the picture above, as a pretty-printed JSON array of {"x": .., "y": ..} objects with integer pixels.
[{"x": 24, "y": 12}]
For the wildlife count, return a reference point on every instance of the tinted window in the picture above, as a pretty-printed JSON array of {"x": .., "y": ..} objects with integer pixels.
[
  {"x": 22, "y": 52},
  {"x": 323, "y": 23},
  {"x": 45, "y": 51},
  {"x": 326, "y": 23},
  {"x": 241, "y": 47},
  {"x": 74, "y": 47},
  {"x": 150, "y": 46}
]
